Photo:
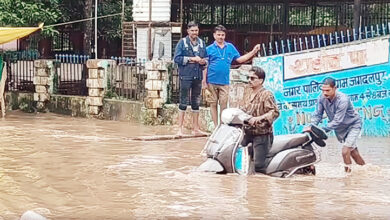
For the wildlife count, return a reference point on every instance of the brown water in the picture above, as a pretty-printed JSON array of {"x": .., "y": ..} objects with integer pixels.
[{"x": 72, "y": 168}]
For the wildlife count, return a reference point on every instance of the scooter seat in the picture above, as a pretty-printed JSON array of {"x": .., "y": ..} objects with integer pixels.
[{"x": 283, "y": 142}]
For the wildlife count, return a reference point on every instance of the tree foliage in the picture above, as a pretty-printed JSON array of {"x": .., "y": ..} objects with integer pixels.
[
  {"x": 21, "y": 13},
  {"x": 111, "y": 27}
]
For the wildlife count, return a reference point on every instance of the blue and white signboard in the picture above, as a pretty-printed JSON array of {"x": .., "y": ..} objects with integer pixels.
[{"x": 361, "y": 71}]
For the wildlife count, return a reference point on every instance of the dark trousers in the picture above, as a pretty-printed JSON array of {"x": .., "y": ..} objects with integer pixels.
[
  {"x": 261, "y": 145},
  {"x": 187, "y": 87}
]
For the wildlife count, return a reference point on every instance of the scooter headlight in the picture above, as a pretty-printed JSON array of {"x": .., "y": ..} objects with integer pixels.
[
  {"x": 234, "y": 116},
  {"x": 228, "y": 115}
]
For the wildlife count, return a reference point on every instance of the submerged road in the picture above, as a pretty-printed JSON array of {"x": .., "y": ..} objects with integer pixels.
[{"x": 73, "y": 168}]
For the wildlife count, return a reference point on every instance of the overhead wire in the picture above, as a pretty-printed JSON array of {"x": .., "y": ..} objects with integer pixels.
[{"x": 82, "y": 20}]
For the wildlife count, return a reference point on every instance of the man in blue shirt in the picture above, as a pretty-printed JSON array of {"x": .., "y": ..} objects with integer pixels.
[
  {"x": 190, "y": 55},
  {"x": 216, "y": 78},
  {"x": 342, "y": 119}
]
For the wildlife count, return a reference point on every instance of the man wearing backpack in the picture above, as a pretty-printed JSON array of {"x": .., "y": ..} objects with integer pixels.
[{"x": 190, "y": 55}]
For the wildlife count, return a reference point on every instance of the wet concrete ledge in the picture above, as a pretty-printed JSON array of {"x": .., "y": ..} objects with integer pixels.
[
  {"x": 19, "y": 100},
  {"x": 113, "y": 109},
  {"x": 68, "y": 105},
  {"x": 76, "y": 106},
  {"x": 122, "y": 110}
]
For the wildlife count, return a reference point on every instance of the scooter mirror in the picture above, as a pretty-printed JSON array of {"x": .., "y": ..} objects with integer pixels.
[
  {"x": 319, "y": 141},
  {"x": 319, "y": 132}
]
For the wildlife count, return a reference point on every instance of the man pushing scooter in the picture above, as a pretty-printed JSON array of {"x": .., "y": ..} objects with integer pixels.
[{"x": 343, "y": 119}]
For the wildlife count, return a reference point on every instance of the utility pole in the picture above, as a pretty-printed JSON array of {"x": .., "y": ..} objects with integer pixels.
[
  {"x": 123, "y": 11},
  {"x": 285, "y": 19},
  {"x": 150, "y": 31},
  {"x": 87, "y": 28},
  {"x": 357, "y": 14},
  {"x": 181, "y": 18},
  {"x": 123, "y": 20},
  {"x": 96, "y": 30}
]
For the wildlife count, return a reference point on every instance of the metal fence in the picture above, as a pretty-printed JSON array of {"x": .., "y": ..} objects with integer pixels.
[
  {"x": 174, "y": 88},
  {"x": 323, "y": 40},
  {"x": 20, "y": 70},
  {"x": 256, "y": 15},
  {"x": 72, "y": 74},
  {"x": 173, "y": 85},
  {"x": 128, "y": 79}
]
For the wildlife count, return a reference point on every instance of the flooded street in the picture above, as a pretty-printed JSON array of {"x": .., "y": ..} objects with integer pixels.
[{"x": 74, "y": 168}]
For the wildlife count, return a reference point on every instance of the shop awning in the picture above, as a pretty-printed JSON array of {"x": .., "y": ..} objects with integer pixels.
[{"x": 8, "y": 34}]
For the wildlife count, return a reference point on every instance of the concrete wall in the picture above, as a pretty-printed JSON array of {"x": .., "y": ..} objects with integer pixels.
[
  {"x": 68, "y": 105},
  {"x": 120, "y": 110},
  {"x": 168, "y": 115},
  {"x": 20, "y": 100},
  {"x": 76, "y": 106}
]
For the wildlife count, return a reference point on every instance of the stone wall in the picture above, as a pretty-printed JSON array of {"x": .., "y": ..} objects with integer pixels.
[
  {"x": 153, "y": 110},
  {"x": 238, "y": 86},
  {"x": 97, "y": 84},
  {"x": 44, "y": 81},
  {"x": 156, "y": 85}
]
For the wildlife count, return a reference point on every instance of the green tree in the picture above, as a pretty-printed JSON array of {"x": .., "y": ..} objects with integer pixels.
[
  {"x": 111, "y": 28},
  {"x": 21, "y": 13}
]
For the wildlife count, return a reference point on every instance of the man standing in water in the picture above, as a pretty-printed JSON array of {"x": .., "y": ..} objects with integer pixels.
[
  {"x": 216, "y": 78},
  {"x": 190, "y": 54},
  {"x": 260, "y": 104},
  {"x": 342, "y": 119}
]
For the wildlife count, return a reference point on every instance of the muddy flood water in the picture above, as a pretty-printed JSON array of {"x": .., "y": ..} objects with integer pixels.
[{"x": 73, "y": 168}]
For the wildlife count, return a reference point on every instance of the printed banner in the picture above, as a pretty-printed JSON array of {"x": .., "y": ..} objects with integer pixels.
[
  {"x": 336, "y": 59},
  {"x": 368, "y": 88}
]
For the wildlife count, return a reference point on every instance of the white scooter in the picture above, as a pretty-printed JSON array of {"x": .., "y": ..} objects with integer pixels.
[{"x": 289, "y": 154}]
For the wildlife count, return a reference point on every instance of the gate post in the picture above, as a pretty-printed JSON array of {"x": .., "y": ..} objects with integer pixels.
[
  {"x": 45, "y": 80},
  {"x": 156, "y": 84},
  {"x": 97, "y": 84},
  {"x": 238, "y": 86}
]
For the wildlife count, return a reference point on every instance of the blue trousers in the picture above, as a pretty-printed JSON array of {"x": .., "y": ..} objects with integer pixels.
[{"x": 190, "y": 87}]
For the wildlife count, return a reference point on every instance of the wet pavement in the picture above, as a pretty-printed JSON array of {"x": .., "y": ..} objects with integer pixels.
[{"x": 74, "y": 168}]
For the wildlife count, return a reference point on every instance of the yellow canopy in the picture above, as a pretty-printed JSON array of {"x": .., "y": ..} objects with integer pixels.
[{"x": 8, "y": 34}]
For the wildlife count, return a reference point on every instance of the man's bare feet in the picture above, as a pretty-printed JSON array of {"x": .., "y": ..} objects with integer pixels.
[
  {"x": 198, "y": 132},
  {"x": 180, "y": 132},
  {"x": 347, "y": 168}
]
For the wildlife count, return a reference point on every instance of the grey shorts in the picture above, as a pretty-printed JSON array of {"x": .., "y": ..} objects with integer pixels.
[{"x": 349, "y": 137}]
